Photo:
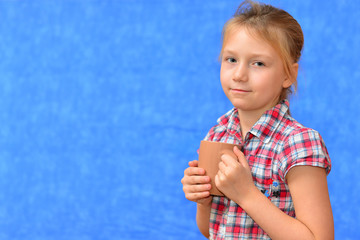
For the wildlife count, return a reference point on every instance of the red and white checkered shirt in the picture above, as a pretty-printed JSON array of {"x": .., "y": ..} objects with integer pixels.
[{"x": 274, "y": 145}]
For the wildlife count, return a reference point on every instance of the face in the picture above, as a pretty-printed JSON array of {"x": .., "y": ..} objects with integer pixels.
[{"x": 252, "y": 73}]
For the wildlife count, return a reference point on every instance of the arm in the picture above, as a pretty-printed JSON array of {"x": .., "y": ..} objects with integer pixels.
[
  {"x": 308, "y": 187},
  {"x": 309, "y": 191},
  {"x": 196, "y": 187},
  {"x": 203, "y": 218}
]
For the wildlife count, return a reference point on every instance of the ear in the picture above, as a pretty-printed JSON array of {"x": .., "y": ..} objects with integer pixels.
[{"x": 289, "y": 80}]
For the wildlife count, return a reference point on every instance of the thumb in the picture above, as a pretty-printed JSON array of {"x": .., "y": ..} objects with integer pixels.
[{"x": 241, "y": 157}]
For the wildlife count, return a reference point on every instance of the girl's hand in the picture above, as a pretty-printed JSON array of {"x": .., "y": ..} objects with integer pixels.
[
  {"x": 234, "y": 177},
  {"x": 196, "y": 185}
]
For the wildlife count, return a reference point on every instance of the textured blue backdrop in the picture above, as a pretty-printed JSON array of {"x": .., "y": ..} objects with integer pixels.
[{"x": 103, "y": 103}]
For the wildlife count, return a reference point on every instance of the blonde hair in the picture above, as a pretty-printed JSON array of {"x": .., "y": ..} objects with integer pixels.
[{"x": 275, "y": 26}]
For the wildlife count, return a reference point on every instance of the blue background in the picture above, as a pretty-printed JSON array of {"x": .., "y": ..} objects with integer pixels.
[{"x": 103, "y": 103}]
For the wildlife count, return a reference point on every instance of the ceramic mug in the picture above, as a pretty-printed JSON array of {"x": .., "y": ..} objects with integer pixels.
[{"x": 209, "y": 157}]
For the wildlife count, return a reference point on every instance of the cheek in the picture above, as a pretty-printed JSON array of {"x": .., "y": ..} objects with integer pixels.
[
  {"x": 224, "y": 84},
  {"x": 223, "y": 77},
  {"x": 226, "y": 74},
  {"x": 267, "y": 86}
]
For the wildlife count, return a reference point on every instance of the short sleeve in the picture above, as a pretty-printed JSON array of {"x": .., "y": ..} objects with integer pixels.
[
  {"x": 216, "y": 133},
  {"x": 304, "y": 147},
  {"x": 210, "y": 135}
]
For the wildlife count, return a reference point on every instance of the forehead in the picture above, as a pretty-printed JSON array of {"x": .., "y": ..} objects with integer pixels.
[
  {"x": 244, "y": 39},
  {"x": 269, "y": 36}
]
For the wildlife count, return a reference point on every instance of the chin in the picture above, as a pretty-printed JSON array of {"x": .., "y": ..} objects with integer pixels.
[
  {"x": 244, "y": 106},
  {"x": 240, "y": 104}
]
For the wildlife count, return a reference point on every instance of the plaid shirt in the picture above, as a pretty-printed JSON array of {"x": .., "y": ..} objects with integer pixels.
[{"x": 274, "y": 145}]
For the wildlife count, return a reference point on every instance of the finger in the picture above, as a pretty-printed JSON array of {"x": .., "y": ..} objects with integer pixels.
[
  {"x": 241, "y": 157},
  {"x": 190, "y": 171},
  {"x": 197, "y": 196},
  {"x": 222, "y": 167},
  {"x": 196, "y": 188},
  {"x": 193, "y": 163},
  {"x": 221, "y": 175},
  {"x": 228, "y": 160},
  {"x": 197, "y": 180},
  {"x": 218, "y": 178}
]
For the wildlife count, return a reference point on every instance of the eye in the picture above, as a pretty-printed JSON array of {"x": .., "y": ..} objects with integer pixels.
[
  {"x": 259, "y": 64},
  {"x": 230, "y": 60}
]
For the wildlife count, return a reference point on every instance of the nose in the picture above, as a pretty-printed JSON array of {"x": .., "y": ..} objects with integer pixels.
[{"x": 240, "y": 73}]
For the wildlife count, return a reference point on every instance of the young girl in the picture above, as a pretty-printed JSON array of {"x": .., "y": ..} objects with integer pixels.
[{"x": 276, "y": 187}]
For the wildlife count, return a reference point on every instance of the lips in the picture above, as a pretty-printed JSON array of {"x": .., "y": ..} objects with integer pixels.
[{"x": 239, "y": 90}]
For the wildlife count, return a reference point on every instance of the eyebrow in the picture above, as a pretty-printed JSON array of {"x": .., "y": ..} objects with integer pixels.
[{"x": 253, "y": 55}]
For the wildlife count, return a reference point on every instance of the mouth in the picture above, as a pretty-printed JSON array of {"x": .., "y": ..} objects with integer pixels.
[{"x": 239, "y": 90}]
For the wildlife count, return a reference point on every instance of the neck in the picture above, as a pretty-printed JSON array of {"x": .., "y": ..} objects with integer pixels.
[
  {"x": 249, "y": 117},
  {"x": 247, "y": 121}
]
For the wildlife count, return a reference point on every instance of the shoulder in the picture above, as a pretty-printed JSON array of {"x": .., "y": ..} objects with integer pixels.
[
  {"x": 298, "y": 136},
  {"x": 302, "y": 146},
  {"x": 291, "y": 130}
]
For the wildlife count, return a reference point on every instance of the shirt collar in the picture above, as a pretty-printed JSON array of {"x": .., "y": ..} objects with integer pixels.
[
  {"x": 262, "y": 129},
  {"x": 231, "y": 124},
  {"x": 265, "y": 127}
]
